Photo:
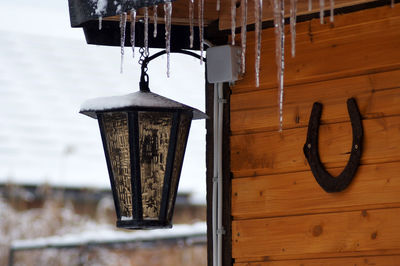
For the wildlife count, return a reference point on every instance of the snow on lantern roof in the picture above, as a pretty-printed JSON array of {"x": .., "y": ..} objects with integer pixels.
[{"x": 134, "y": 100}]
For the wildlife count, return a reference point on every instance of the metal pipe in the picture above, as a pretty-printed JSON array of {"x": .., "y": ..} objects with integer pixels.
[
  {"x": 215, "y": 176},
  {"x": 208, "y": 43},
  {"x": 220, "y": 229}
]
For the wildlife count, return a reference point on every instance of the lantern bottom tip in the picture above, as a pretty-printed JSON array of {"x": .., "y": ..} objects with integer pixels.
[{"x": 143, "y": 224}]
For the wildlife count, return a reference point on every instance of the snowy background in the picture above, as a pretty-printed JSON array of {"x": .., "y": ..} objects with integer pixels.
[{"x": 47, "y": 70}]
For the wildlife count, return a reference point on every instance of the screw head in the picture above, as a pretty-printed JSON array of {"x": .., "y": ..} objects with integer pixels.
[{"x": 309, "y": 145}]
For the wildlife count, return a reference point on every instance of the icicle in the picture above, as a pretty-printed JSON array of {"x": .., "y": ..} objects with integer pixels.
[
  {"x": 146, "y": 29},
  {"x": 243, "y": 34},
  {"x": 167, "y": 19},
  {"x": 321, "y": 10},
  {"x": 275, "y": 5},
  {"x": 201, "y": 28},
  {"x": 279, "y": 21},
  {"x": 233, "y": 20},
  {"x": 293, "y": 16},
  {"x": 282, "y": 65},
  {"x": 100, "y": 22},
  {"x": 191, "y": 17},
  {"x": 332, "y": 10},
  {"x": 155, "y": 18},
  {"x": 258, "y": 17},
  {"x": 122, "y": 26},
  {"x": 133, "y": 26},
  {"x": 218, "y": 5},
  {"x": 310, "y": 5}
]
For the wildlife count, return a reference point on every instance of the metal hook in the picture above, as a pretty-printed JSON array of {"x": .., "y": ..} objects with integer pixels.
[
  {"x": 145, "y": 59},
  {"x": 144, "y": 78}
]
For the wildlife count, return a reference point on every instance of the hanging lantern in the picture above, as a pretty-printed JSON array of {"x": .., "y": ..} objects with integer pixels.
[{"x": 144, "y": 138}]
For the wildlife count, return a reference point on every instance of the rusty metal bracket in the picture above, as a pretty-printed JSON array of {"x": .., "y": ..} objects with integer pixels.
[{"x": 310, "y": 149}]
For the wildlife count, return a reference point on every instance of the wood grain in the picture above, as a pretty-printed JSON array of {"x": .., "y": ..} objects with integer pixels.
[
  {"x": 302, "y": 8},
  {"x": 342, "y": 87},
  {"x": 373, "y": 186},
  {"x": 274, "y": 152},
  {"x": 280, "y": 214},
  {"x": 331, "y": 53},
  {"x": 358, "y": 261},
  {"x": 335, "y": 233},
  {"x": 258, "y": 110}
]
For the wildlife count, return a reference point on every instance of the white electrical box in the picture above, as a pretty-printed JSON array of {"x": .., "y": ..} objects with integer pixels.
[{"x": 223, "y": 63}]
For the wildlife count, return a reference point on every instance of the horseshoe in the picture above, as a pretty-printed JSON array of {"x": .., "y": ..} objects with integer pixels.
[{"x": 325, "y": 180}]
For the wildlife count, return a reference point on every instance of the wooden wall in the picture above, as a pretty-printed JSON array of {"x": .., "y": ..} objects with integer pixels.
[{"x": 280, "y": 214}]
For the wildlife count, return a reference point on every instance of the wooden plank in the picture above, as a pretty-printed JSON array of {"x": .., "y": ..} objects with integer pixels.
[
  {"x": 258, "y": 111},
  {"x": 346, "y": 51},
  {"x": 343, "y": 87},
  {"x": 358, "y": 261},
  {"x": 302, "y": 8},
  {"x": 298, "y": 193},
  {"x": 385, "y": 252},
  {"x": 335, "y": 234},
  {"x": 314, "y": 31},
  {"x": 274, "y": 152}
]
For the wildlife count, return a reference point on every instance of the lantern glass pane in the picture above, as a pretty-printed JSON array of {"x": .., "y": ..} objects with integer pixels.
[
  {"x": 117, "y": 135},
  {"x": 154, "y": 137},
  {"x": 183, "y": 132}
]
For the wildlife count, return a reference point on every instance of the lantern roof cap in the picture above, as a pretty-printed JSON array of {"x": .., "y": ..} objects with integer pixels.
[{"x": 135, "y": 100}]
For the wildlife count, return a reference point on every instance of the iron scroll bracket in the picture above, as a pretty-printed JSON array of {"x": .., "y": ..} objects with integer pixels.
[
  {"x": 325, "y": 180},
  {"x": 145, "y": 60}
]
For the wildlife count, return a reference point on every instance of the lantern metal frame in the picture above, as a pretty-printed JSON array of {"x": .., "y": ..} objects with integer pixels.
[
  {"x": 133, "y": 126},
  {"x": 179, "y": 114}
]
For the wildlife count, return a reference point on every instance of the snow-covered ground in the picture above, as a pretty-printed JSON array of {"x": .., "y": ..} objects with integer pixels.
[
  {"x": 47, "y": 70},
  {"x": 106, "y": 234},
  {"x": 49, "y": 230}
]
